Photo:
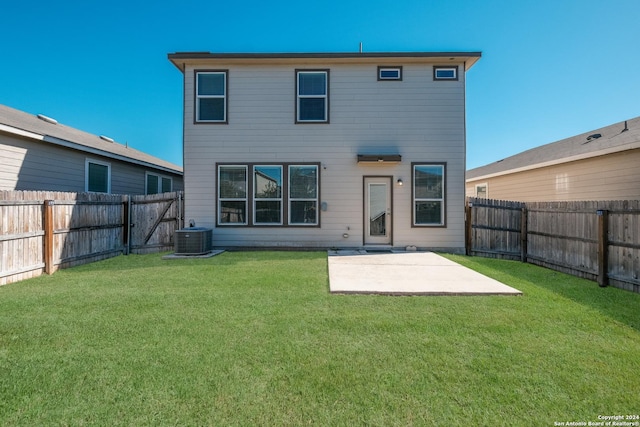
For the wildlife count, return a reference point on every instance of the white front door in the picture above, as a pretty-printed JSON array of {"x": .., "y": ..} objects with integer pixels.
[{"x": 377, "y": 206}]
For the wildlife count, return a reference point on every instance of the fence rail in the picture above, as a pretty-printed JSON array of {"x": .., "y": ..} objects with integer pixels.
[
  {"x": 597, "y": 240},
  {"x": 44, "y": 231}
]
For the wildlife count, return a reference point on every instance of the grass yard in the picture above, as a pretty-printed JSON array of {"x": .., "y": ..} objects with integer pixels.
[{"x": 254, "y": 338}]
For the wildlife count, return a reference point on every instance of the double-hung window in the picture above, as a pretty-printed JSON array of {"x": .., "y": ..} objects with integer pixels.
[
  {"x": 303, "y": 194},
  {"x": 232, "y": 195},
  {"x": 211, "y": 97},
  {"x": 429, "y": 194},
  {"x": 267, "y": 195},
  {"x": 312, "y": 96}
]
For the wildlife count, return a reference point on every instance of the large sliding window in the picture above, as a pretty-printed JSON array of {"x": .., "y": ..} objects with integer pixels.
[
  {"x": 268, "y": 194},
  {"x": 211, "y": 97},
  {"x": 312, "y": 96},
  {"x": 232, "y": 195},
  {"x": 158, "y": 184},
  {"x": 429, "y": 194}
]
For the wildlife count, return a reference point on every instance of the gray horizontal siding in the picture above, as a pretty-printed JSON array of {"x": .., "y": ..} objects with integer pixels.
[
  {"x": 418, "y": 118},
  {"x": 32, "y": 165}
]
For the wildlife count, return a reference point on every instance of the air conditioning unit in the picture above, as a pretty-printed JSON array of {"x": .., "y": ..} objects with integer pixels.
[{"x": 193, "y": 241}]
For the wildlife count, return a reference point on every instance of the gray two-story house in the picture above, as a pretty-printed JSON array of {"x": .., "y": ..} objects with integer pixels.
[{"x": 321, "y": 150}]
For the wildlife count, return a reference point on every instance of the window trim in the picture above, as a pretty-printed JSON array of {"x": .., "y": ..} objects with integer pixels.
[
  {"x": 256, "y": 199},
  {"x": 304, "y": 199},
  {"x": 382, "y": 68},
  {"x": 486, "y": 186},
  {"x": 325, "y": 96},
  {"x": 248, "y": 190},
  {"x": 87, "y": 161},
  {"x": 160, "y": 177},
  {"x": 250, "y": 200},
  {"x": 196, "y": 97},
  {"x": 443, "y": 224},
  {"x": 436, "y": 68}
]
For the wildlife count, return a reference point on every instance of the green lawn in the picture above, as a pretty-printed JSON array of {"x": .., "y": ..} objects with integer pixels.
[{"x": 254, "y": 338}]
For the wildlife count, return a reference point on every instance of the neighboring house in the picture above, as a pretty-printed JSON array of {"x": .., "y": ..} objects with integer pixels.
[
  {"x": 603, "y": 164},
  {"x": 38, "y": 153},
  {"x": 324, "y": 150}
]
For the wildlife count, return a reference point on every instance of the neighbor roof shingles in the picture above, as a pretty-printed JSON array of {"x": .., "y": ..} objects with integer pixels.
[{"x": 31, "y": 123}]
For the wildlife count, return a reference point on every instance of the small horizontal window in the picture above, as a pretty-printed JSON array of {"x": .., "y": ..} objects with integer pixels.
[
  {"x": 389, "y": 73},
  {"x": 445, "y": 73}
]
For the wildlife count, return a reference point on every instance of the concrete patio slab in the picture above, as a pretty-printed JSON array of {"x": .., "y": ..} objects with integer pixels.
[{"x": 407, "y": 273}]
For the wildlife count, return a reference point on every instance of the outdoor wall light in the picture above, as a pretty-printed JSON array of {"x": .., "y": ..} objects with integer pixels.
[{"x": 399, "y": 181}]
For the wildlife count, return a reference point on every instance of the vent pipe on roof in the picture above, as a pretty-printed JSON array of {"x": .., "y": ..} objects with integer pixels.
[
  {"x": 106, "y": 138},
  {"x": 625, "y": 127},
  {"x": 594, "y": 136},
  {"x": 360, "y": 47},
  {"x": 47, "y": 119}
]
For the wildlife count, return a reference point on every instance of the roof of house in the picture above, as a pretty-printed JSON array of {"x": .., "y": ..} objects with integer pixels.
[
  {"x": 614, "y": 138},
  {"x": 48, "y": 130},
  {"x": 180, "y": 59}
]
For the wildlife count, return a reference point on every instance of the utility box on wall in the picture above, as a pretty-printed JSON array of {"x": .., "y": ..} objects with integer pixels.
[{"x": 194, "y": 241}]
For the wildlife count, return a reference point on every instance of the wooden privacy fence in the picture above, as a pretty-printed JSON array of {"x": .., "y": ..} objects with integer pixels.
[
  {"x": 597, "y": 240},
  {"x": 43, "y": 231}
]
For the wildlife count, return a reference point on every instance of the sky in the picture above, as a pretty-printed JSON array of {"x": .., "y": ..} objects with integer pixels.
[{"x": 550, "y": 69}]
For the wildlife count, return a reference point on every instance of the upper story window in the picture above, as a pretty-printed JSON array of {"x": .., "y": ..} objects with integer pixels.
[
  {"x": 97, "y": 176},
  {"x": 445, "y": 73},
  {"x": 389, "y": 73},
  {"x": 312, "y": 96},
  {"x": 211, "y": 96},
  {"x": 158, "y": 184}
]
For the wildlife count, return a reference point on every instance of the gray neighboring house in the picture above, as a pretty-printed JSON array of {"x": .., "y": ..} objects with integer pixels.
[
  {"x": 38, "y": 153},
  {"x": 602, "y": 164},
  {"x": 325, "y": 150}
]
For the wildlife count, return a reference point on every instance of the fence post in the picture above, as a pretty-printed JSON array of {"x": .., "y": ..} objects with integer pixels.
[
  {"x": 126, "y": 223},
  {"x": 523, "y": 235},
  {"x": 603, "y": 247},
  {"x": 468, "y": 229},
  {"x": 48, "y": 236}
]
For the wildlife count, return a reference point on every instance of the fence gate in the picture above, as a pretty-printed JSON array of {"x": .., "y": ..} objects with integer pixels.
[{"x": 153, "y": 220}]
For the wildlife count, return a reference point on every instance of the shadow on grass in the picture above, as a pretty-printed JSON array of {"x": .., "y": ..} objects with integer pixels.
[
  {"x": 620, "y": 305},
  {"x": 227, "y": 258}
]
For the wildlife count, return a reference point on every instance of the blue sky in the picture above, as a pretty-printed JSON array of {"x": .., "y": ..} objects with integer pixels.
[{"x": 550, "y": 68}]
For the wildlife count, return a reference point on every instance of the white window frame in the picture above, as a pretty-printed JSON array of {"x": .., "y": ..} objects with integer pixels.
[
  {"x": 325, "y": 96},
  {"x": 486, "y": 189},
  {"x": 445, "y": 68},
  {"x": 86, "y": 174},
  {"x": 160, "y": 178},
  {"x": 257, "y": 199},
  {"x": 224, "y": 97},
  {"x": 238, "y": 199},
  {"x": 442, "y": 199},
  {"x": 291, "y": 199},
  {"x": 395, "y": 68}
]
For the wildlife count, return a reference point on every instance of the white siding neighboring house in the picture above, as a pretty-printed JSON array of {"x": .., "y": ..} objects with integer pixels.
[
  {"x": 38, "y": 153},
  {"x": 603, "y": 164},
  {"x": 317, "y": 150}
]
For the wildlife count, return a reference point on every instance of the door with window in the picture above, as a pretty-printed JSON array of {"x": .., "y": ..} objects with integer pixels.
[{"x": 377, "y": 207}]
